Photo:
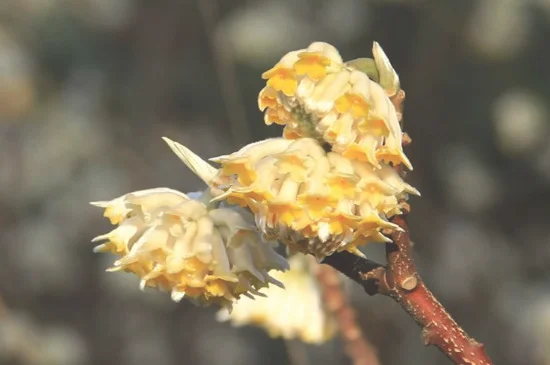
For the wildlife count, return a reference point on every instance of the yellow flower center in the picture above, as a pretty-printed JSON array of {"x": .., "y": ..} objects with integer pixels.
[
  {"x": 312, "y": 64},
  {"x": 316, "y": 205},
  {"x": 340, "y": 222},
  {"x": 216, "y": 288},
  {"x": 341, "y": 186},
  {"x": 281, "y": 79},
  {"x": 245, "y": 175},
  {"x": 354, "y": 103},
  {"x": 284, "y": 213},
  {"x": 358, "y": 152}
]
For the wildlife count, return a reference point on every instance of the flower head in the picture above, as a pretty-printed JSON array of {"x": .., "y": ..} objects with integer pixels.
[
  {"x": 313, "y": 93},
  {"x": 314, "y": 201},
  {"x": 209, "y": 253},
  {"x": 296, "y": 312}
]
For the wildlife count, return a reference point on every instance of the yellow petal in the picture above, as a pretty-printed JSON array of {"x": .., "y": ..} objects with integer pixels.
[
  {"x": 267, "y": 98},
  {"x": 312, "y": 64},
  {"x": 281, "y": 79}
]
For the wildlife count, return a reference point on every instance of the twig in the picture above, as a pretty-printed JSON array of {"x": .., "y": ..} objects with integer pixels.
[
  {"x": 358, "y": 348},
  {"x": 400, "y": 281},
  {"x": 354, "y": 266}
]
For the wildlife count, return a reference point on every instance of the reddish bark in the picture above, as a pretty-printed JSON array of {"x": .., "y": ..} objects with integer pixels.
[
  {"x": 405, "y": 286},
  {"x": 401, "y": 281},
  {"x": 358, "y": 348}
]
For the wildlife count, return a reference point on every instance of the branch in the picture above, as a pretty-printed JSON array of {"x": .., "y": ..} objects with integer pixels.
[
  {"x": 407, "y": 288},
  {"x": 225, "y": 69},
  {"x": 355, "y": 268},
  {"x": 401, "y": 282},
  {"x": 358, "y": 348}
]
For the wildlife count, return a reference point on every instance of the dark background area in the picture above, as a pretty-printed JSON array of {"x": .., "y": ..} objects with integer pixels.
[{"x": 88, "y": 87}]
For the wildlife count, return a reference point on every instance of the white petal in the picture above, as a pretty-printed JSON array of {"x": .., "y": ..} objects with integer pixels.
[
  {"x": 324, "y": 232},
  {"x": 177, "y": 296},
  {"x": 388, "y": 77},
  {"x": 290, "y": 58},
  {"x": 257, "y": 150},
  {"x": 326, "y": 50},
  {"x": 101, "y": 204},
  {"x": 200, "y": 167}
]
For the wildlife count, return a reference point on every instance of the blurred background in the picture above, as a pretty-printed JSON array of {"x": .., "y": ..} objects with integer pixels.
[{"x": 88, "y": 87}]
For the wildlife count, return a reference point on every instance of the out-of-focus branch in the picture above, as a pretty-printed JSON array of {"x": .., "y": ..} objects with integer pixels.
[
  {"x": 358, "y": 348},
  {"x": 400, "y": 281},
  {"x": 3, "y": 310},
  {"x": 225, "y": 69}
]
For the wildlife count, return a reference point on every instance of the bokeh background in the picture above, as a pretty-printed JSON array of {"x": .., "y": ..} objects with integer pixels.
[{"x": 88, "y": 87}]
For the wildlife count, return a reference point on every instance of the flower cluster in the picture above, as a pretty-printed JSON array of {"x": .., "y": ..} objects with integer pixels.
[
  {"x": 327, "y": 185},
  {"x": 295, "y": 312},
  {"x": 187, "y": 246},
  {"x": 313, "y": 201},
  {"x": 314, "y": 93}
]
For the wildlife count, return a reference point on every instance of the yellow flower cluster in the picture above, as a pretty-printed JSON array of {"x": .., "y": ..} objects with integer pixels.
[
  {"x": 327, "y": 185},
  {"x": 314, "y": 93},
  {"x": 188, "y": 247},
  {"x": 295, "y": 312},
  {"x": 313, "y": 201}
]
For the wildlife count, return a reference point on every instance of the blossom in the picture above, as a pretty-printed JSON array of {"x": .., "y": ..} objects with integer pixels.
[
  {"x": 207, "y": 252},
  {"x": 314, "y": 201},
  {"x": 314, "y": 93},
  {"x": 296, "y": 312}
]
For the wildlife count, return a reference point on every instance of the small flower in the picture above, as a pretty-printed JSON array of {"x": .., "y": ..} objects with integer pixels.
[
  {"x": 296, "y": 312},
  {"x": 188, "y": 247},
  {"x": 242, "y": 162},
  {"x": 354, "y": 103},
  {"x": 312, "y": 64},
  {"x": 282, "y": 77},
  {"x": 313, "y": 201},
  {"x": 315, "y": 94}
]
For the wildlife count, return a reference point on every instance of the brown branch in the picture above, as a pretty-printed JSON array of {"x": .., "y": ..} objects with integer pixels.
[
  {"x": 400, "y": 281},
  {"x": 406, "y": 287},
  {"x": 354, "y": 267},
  {"x": 358, "y": 348}
]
